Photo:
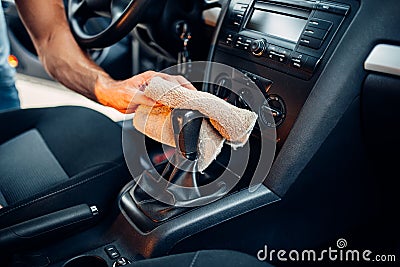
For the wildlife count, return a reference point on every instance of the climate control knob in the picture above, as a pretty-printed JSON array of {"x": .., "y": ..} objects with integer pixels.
[
  {"x": 258, "y": 47},
  {"x": 273, "y": 111}
]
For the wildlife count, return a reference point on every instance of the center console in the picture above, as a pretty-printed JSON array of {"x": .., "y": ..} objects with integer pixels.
[{"x": 281, "y": 48}]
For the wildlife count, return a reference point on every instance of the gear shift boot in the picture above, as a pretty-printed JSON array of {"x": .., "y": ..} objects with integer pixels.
[{"x": 177, "y": 188}]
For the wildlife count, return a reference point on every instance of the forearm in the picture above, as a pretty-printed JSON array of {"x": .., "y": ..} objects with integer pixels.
[
  {"x": 62, "y": 57},
  {"x": 80, "y": 73},
  {"x": 57, "y": 49}
]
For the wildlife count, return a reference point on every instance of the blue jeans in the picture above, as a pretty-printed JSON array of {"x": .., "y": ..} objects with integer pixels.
[{"x": 8, "y": 93}]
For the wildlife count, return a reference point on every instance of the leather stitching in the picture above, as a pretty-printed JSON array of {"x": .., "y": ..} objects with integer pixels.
[
  {"x": 60, "y": 190},
  {"x": 194, "y": 259}
]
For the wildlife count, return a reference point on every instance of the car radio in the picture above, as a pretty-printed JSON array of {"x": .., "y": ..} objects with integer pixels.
[{"x": 287, "y": 35}]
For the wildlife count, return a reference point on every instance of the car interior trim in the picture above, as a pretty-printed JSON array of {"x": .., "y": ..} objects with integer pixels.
[
  {"x": 384, "y": 58},
  {"x": 200, "y": 219},
  {"x": 210, "y": 16}
]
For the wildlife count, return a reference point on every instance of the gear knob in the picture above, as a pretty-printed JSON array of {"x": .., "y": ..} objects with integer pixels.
[{"x": 186, "y": 125}]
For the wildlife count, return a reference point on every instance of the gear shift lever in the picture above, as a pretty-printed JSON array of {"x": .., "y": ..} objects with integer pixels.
[
  {"x": 180, "y": 186},
  {"x": 181, "y": 171},
  {"x": 186, "y": 125}
]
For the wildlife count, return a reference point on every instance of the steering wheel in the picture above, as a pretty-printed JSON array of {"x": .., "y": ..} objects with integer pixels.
[{"x": 124, "y": 14}]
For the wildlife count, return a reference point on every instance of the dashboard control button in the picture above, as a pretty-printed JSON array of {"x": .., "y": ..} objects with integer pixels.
[
  {"x": 298, "y": 60},
  {"x": 285, "y": 51},
  {"x": 228, "y": 38},
  {"x": 236, "y": 23},
  {"x": 341, "y": 10},
  {"x": 273, "y": 52},
  {"x": 319, "y": 23},
  {"x": 273, "y": 55},
  {"x": 273, "y": 47},
  {"x": 310, "y": 42},
  {"x": 243, "y": 42},
  {"x": 237, "y": 17},
  {"x": 283, "y": 55},
  {"x": 112, "y": 252},
  {"x": 315, "y": 33},
  {"x": 240, "y": 7},
  {"x": 258, "y": 47}
]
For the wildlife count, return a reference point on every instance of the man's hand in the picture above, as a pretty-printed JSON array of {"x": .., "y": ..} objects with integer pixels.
[
  {"x": 70, "y": 65},
  {"x": 125, "y": 96}
]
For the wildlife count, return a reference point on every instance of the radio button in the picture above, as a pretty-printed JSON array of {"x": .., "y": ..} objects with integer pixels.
[
  {"x": 319, "y": 23},
  {"x": 283, "y": 55},
  {"x": 277, "y": 53},
  {"x": 298, "y": 60},
  {"x": 228, "y": 38},
  {"x": 244, "y": 39},
  {"x": 341, "y": 10},
  {"x": 237, "y": 17},
  {"x": 273, "y": 55},
  {"x": 310, "y": 42},
  {"x": 284, "y": 51},
  {"x": 277, "y": 56},
  {"x": 272, "y": 52},
  {"x": 243, "y": 43},
  {"x": 240, "y": 7},
  {"x": 273, "y": 47},
  {"x": 236, "y": 23},
  {"x": 315, "y": 32},
  {"x": 282, "y": 58}
]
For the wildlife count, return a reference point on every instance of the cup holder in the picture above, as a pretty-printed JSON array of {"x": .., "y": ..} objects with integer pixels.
[{"x": 85, "y": 261}]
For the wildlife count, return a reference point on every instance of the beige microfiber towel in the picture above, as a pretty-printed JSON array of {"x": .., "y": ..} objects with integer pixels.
[{"x": 225, "y": 121}]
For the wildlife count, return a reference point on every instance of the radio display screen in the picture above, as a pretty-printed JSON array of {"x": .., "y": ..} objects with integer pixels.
[{"x": 279, "y": 25}]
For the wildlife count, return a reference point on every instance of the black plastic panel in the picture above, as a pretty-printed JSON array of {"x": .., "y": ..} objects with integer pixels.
[
  {"x": 292, "y": 85},
  {"x": 381, "y": 117},
  {"x": 335, "y": 193},
  {"x": 338, "y": 84}
]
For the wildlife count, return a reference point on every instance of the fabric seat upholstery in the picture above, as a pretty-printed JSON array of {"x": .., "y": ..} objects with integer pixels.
[{"x": 63, "y": 156}]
